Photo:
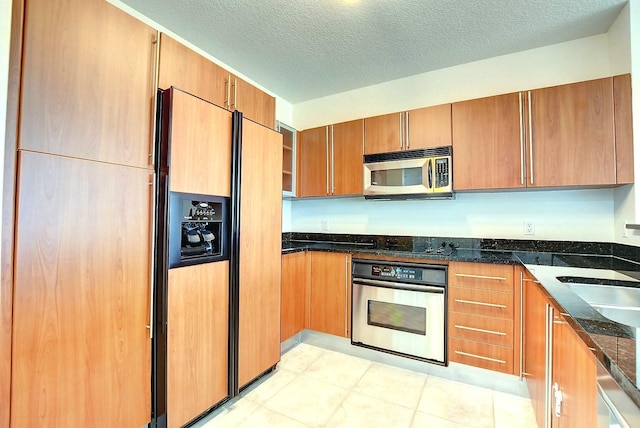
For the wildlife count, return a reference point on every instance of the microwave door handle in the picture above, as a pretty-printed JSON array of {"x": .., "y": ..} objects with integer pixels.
[{"x": 430, "y": 174}]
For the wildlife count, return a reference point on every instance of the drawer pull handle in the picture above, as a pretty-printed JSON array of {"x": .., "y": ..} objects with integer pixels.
[
  {"x": 471, "y": 302},
  {"x": 466, "y": 275},
  {"x": 466, "y": 354},
  {"x": 464, "y": 327}
]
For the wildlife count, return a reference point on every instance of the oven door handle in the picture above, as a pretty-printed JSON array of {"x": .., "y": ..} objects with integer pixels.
[{"x": 399, "y": 285}]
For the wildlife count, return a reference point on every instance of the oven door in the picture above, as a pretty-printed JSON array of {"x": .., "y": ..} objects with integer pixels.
[{"x": 400, "y": 318}]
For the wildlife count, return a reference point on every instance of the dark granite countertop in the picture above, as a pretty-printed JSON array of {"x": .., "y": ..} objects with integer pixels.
[{"x": 613, "y": 344}]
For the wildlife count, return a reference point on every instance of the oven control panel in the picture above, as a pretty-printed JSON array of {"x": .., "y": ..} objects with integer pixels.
[{"x": 397, "y": 272}]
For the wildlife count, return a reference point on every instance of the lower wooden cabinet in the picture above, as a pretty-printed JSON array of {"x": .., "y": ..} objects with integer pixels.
[
  {"x": 484, "y": 316},
  {"x": 330, "y": 298},
  {"x": 559, "y": 369},
  {"x": 295, "y": 282}
]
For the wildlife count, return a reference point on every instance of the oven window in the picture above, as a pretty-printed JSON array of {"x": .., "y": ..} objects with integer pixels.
[
  {"x": 411, "y": 319},
  {"x": 397, "y": 177}
]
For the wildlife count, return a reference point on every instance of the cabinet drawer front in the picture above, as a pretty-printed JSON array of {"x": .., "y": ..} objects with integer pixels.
[
  {"x": 483, "y": 355},
  {"x": 481, "y": 302},
  {"x": 498, "y": 331},
  {"x": 481, "y": 276}
]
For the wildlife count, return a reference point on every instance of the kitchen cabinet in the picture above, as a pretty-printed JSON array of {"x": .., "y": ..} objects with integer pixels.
[
  {"x": 415, "y": 129},
  {"x": 624, "y": 128},
  {"x": 260, "y": 251},
  {"x": 295, "y": 302},
  {"x": 197, "y": 340},
  {"x": 187, "y": 70},
  {"x": 330, "y": 299},
  {"x": 289, "y": 158},
  {"x": 331, "y": 160},
  {"x": 87, "y": 82},
  {"x": 556, "y": 359},
  {"x": 199, "y": 130},
  {"x": 550, "y": 137},
  {"x": 484, "y": 316},
  {"x": 81, "y": 353}
]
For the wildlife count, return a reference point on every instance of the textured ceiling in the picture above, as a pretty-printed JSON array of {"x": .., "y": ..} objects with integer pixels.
[{"x": 305, "y": 49}]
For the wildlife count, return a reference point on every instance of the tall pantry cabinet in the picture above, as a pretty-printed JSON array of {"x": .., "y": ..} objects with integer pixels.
[{"x": 80, "y": 342}]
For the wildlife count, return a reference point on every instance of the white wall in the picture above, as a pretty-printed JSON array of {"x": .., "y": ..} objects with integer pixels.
[{"x": 580, "y": 215}]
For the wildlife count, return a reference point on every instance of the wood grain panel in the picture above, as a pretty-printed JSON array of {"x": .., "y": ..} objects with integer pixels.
[
  {"x": 573, "y": 134},
  {"x": 534, "y": 346},
  {"x": 314, "y": 167},
  {"x": 329, "y": 276},
  {"x": 81, "y": 348},
  {"x": 88, "y": 82},
  {"x": 483, "y": 355},
  {"x": 200, "y": 147},
  {"x": 475, "y": 302},
  {"x": 383, "y": 134},
  {"x": 497, "y": 331},
  {"x": 295, "y": 277},
  {"x": 481, "y": 275},
  {"x": 253, "y": 103},
  {"x": 197, "y": 340},
  {"x": 429, "y": 127},
  {"x": 574, "y": 370},
  {"x": 8, "y": 206},
  {"x": 348, "y": 141},
  {"x": 487, "y": 143},
  {"x": 260, "y": 250},
  {"x": 186, "y": 69},
  {"x": 624, "y": 128}
]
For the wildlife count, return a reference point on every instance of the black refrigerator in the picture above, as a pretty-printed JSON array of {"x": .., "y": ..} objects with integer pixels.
[{"x": 217, "y": 265}]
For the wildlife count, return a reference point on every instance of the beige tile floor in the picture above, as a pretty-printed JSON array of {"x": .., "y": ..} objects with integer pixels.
[{"x": 314, "y": 387}]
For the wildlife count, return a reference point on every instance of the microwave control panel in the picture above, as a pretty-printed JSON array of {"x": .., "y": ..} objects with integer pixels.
[{"x": 442, "y": 172}]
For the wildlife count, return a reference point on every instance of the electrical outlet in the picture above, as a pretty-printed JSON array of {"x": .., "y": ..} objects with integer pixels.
[
  {"x": 529, "y": 227},
  {"x": 324, "y": 225}
]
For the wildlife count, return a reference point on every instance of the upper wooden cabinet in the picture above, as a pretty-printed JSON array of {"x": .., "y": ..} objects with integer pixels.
[
  {"x": 331, "y": 160},
  {"x": 185, "y": 69},
  {"x": 571, "y": 135},
  {"x": 560, "y": 136},
  {"x": 488, "y": 143},
  {"x": 88, "y": 82},
  {"x": 415, "y": 129}
]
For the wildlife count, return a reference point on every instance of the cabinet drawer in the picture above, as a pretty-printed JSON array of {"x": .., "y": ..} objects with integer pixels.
[
  {"x": 481, "y": 302},
  {"x": 483, "y": 355},
  {"x": 481, "y": 276},
  {"x": 498, "y": 331}
]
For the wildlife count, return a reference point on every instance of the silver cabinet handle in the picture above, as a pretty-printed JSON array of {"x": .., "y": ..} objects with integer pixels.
[
  {"x": 522, "y": 167},
  {"x": 480, "y": 330},
  {"x": 326, "y": 141},
  {"x": 473, "y": 302},
  {"x": 227, "y": 92},
  {"x": 530, "y": 138},
  {"x": 466, "y": 354},
  {"x": 333, "y": 164},
  {"x": 466, "y": 275},
  {"x": 406, "y": 127}
]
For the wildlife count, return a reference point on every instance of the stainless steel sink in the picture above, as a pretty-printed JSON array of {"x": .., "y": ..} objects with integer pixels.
[{"x": 620, "y": 304}]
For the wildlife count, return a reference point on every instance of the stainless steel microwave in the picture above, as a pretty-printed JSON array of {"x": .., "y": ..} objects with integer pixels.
[{"x": 411, "y": 174}]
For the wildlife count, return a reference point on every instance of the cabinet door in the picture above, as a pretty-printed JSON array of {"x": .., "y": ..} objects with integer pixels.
[
  {"x": 187, "y": 70},
  {"x": 81, "y": 348},
  {"x": 574, "y": 372},
  {"x": 200, "y": 146},
  {"x": 383, "y": 133},
  {"x": 88, "y": 83},
  {"x": 535, "y": 346},
  {"x": 329, "y": 299},
  {"x": 260, "y": 250},
  {"x": 313, "y": 147},
  {"x": 429, "y": 127},
  {"x": 253, "y": 103},
  {"x": 295, "y": 279},
  {"x": 624, "y": 128},
  {"x": 572, "y": 135},
  {"x": 346, "y": 158},
  {"x": 488, "y": 143},
  {"x": 197, "y": 340}
]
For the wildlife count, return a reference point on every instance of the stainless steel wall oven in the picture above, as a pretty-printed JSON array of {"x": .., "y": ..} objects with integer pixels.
[{"x": 400, "y": 308}]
